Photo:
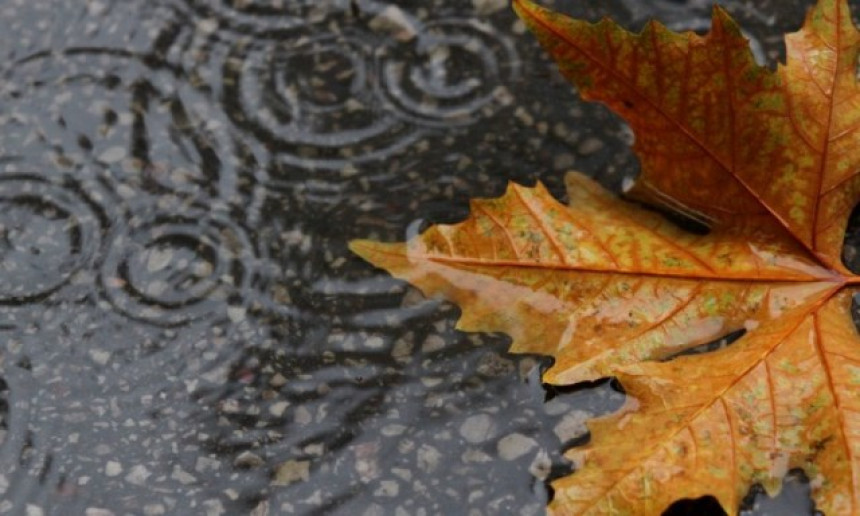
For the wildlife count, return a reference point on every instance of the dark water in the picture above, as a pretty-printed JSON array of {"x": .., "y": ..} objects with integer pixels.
[{"x": 182, "y": 328}]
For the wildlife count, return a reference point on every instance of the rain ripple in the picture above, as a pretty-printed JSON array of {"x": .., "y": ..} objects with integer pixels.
[
  {"x": 330, "y": 102},
  {"x": 50, "y": 234},
  {"x": 168, "y": 268},
  {"x": 311, "y": 100},
  {"x": 264, "y": 17}
]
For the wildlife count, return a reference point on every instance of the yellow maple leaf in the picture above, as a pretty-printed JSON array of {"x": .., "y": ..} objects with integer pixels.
[{"x": 607, "y": 288}]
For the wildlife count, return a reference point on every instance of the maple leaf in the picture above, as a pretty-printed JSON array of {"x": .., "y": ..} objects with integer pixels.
[{"x": 608, "y": 288}]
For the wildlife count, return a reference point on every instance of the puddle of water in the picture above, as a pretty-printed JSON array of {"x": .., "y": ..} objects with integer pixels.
[{"x": 182, "y": 328}]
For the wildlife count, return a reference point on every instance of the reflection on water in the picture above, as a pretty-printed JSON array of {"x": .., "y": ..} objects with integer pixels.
[{"x": 183, "y": 329}]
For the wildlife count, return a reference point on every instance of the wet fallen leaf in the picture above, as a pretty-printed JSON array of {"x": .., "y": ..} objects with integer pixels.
[{"x": 768, "y": 160}]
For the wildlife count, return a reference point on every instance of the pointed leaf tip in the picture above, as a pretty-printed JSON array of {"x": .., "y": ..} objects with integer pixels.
[{"x": 388, "y": 256}]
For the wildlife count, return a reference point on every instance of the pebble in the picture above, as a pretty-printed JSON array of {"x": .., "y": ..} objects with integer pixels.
[
  {"x": 402, "y": 473},
  {"x": 113, "y": 155},
  {"x": 206, "y": 464},
  {"x": 572, "y": 425},
  {"x": 428, "y": 458},
  {"x": 394, "y": 21},
  {"x": 262, "y": 509},
  {"x": 402, "y": 350},
  {"x": 277, "y": 409},
  {"x": 393, "y": 429},
  {"x": 374, "y": 510},
  {"x": 556, "y": 407},
  {"x": 182, "y": 476},
  {"x": 248, "y": 459},
  {"x": 473, "y": 455},
  {"x": 367, "y": 462},
  {"x": 214, "y": 507},
  {"x": 432, "y": 343},
  {"x": 489, "y": 6},
  {"x": 138, "y": 475},
  {"x": 113, "y": 468},
  {"x": 292, "y": 471},
  {"x": 374, "y": 342},
  {"x": 302, "y": 416},
  {"x": 278, "y": 380},
  {"x": 514, "y": 446},
  {"x": 236, "y": 313},
  {"x": 589, "y": 146},
  {"x": 97, "y": 511},
  {"x": 493, "y": 365},
  {"x": 315, "y": 449},
  {"x": 541, "y": 466},
  {"x": 477, "y": 429},
  {"x": 100, "y": 356},
  {"x": 431, "y": 381},
  {"x": 207, "y": 25},
  {"x": 388, "y": 488},
  {"x": 563, "y": 161},
  {"x": 96, "y": 8},
  {"x": 849, "y": 254},
  {"x": 154, "y": 509},
  {"x": 158, "y": 259}
]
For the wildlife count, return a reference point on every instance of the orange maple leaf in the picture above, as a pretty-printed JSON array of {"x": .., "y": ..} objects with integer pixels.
[{"x": 608, "y": 288}]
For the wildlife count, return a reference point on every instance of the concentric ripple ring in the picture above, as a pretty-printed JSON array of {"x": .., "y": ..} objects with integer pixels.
[{"x": 172, "y": 268}]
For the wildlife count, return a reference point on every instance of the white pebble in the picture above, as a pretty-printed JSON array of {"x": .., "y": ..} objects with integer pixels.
[
  {"x": 113, "y": 468},
  {"x": 236, "y": 313},
  {"x": 374, "y": 342},
  {"x": 477, "y": 428},
  {"x": 138, "y": 475},
  {"x": 388, "y": 488},
  {"x": 489, "y": 6},
  {"x": 113, "y": 155},
  {"x": 277, "y": 409},
  {"x": 514, "y": 446}
]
